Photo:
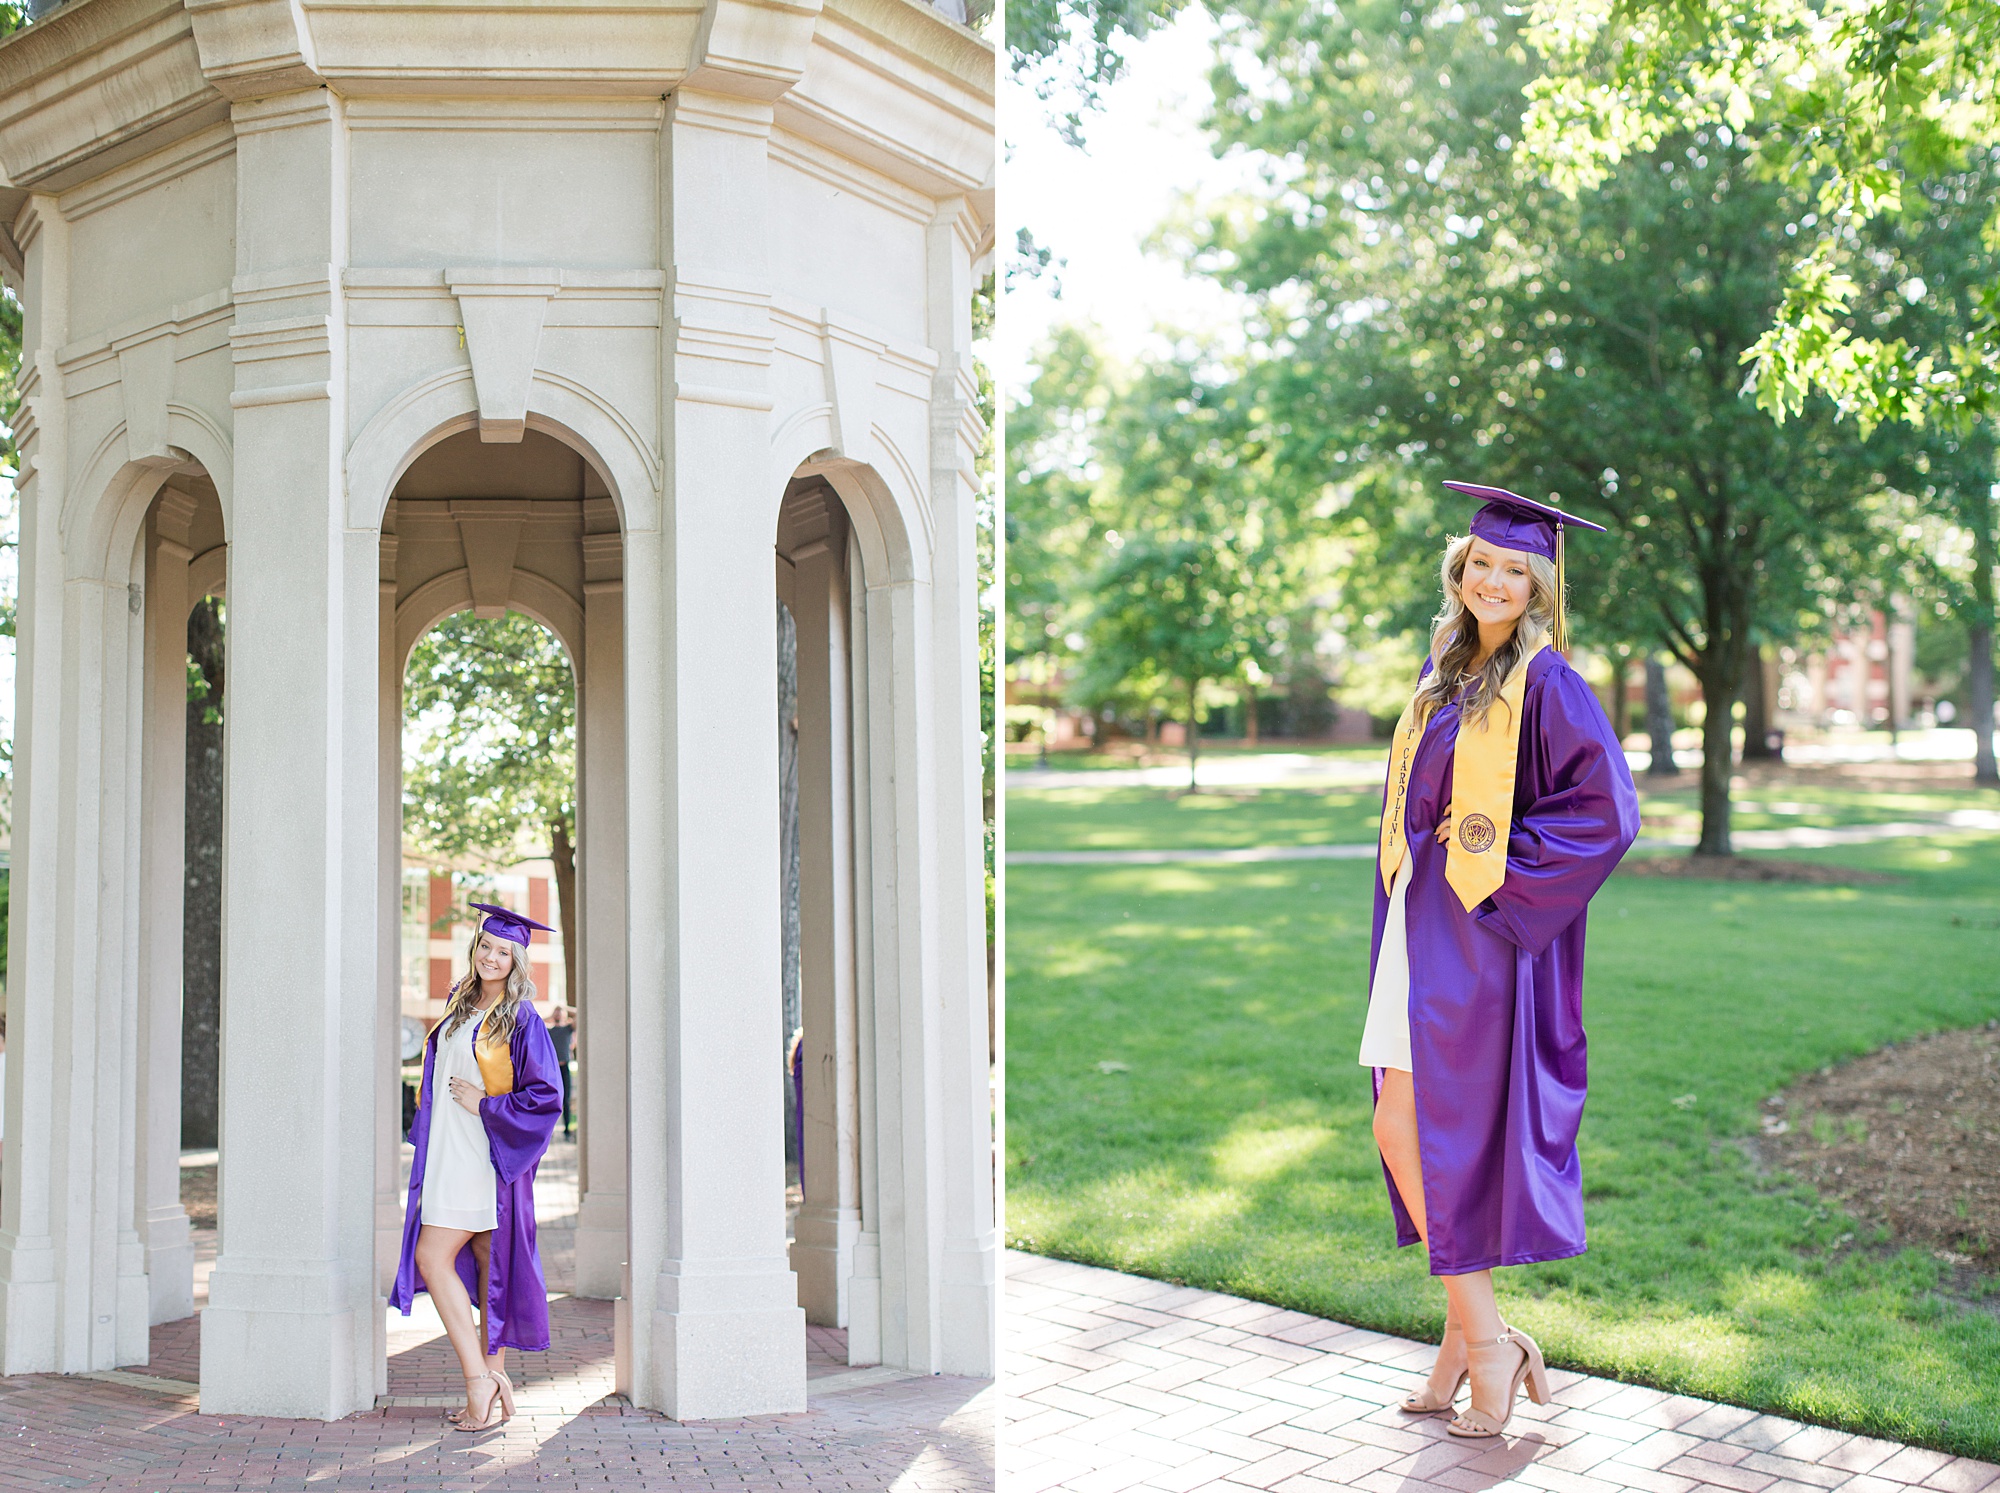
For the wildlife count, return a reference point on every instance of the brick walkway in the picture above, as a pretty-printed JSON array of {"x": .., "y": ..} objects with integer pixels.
[
  {"x": 138, "y": 1430},
  {"x": 1121, "y": 1385}
]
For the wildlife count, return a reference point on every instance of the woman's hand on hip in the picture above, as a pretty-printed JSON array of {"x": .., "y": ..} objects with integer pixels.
[
  {"x": 466, "y": 1094},
  {"x": 1444, "y": 829}
]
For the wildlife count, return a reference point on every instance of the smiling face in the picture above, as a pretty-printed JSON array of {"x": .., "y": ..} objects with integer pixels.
[
  {"x": 493, "y": 958},
  {"x": 1495, "y": 583}
]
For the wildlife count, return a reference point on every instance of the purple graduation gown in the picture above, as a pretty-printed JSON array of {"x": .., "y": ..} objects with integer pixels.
[
  {"x": 1496, "y": 995},
  {"x": 518, "y": 1127}
]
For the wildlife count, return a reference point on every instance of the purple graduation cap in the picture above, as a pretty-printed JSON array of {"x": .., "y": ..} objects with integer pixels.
[
  {"x": 1517, "y": 523},
  {"x": 503, "y": 922}
]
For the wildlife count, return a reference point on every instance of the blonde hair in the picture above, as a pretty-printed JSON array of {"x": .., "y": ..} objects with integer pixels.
[
  {"x": 1455, "y": 637},
  {"x": 464, "y": 998}
]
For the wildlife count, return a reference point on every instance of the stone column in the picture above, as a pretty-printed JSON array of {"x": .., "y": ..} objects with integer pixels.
[
  {"x": 292, "y": 1325},
  {"x": 969, "y": 1341},
  {"x": 30, "y": 1289},
  {"x": 714, "y": 1323},
  {"x": 161, "y": 1221},
  {"x": 389, "y": 1194},
  {"x": 603, "y": 1036},
  {"x": 829, "y": 1220},
  {"x": 864, "y": 1281},
  {"x": 73, "y": 1294}
]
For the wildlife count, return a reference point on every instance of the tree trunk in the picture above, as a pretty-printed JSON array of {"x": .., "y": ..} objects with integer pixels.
[
  {"x": 1979, "y": 642},
  {"x": 1756, "y": 709},
  {"x": 1621, "y": 705},
  {"x": 562, "y": 854},
  {"x": 1193, "y": 734},
  {"x": 201, "y": 905},
  {"x": 1720, "y": 702},
  {"x": 1659, "y": 719},
  {"x": 1979, "y": 700},
  {"x": 1249, "y": 715}
]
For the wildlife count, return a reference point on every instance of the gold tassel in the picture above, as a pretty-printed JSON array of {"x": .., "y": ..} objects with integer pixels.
[{"x": 1562, "y": 598}]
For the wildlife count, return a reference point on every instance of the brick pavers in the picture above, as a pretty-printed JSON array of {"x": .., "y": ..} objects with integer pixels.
[
  {"x": 1115, "y": 1384},
  {"x": 139, "y": 1430}
]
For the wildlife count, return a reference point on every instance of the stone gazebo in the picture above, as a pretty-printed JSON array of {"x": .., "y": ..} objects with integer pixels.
[{"x": 364, "y": 313}]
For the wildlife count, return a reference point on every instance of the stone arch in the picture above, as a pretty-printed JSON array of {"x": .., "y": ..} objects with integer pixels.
[
  {"x": 890, "y": 519},
  {"x": 104, "y": 511},
  {"x": 531, "y": 595},
  {"x": 208, "y": 572},
  {"x": 196, "y": 432},
  {"x": 446, "y": 403}
]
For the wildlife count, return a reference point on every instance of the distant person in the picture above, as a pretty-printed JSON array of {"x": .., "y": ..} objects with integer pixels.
[
  {"x": 1508, "y": 804},
  {"x": 562, "y": 1032},
  {"x": 470, "y": 1223}
]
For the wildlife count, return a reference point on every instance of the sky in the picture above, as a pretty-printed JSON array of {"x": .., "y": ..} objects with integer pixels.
[{"x": 1094, "y": 207}]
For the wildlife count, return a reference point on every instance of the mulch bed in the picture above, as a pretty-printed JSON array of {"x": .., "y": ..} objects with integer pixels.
[
  {"x": 1907, "y": 1137},
  {"x": 1747, "y": 868},
  {"x": 198, "y": 1195}
]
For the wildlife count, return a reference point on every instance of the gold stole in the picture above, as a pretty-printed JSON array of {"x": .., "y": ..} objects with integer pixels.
[
  {"x": 496, "y": 1064},
  {"x": 1482, "y": 793}
]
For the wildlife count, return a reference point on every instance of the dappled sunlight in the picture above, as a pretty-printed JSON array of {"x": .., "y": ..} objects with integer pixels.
[{"x": 1251, "y": 1153}]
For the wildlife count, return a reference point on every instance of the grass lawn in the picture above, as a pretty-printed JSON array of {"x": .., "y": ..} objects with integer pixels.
[{"x": 1183, "y": 1102}]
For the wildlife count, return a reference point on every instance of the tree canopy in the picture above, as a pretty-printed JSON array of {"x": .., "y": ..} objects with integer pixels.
[
  {"x": 1430, "y": 314},
  {"x": 490, "y": 748},
  {"x": 1849, "y": 103}
]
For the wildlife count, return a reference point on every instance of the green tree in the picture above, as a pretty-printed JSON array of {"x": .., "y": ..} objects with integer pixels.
[
  {"x": 490, "y": 753},
  {"x": 1432, "y": 315},
  {"x": 1195, "y": 543},
  {"x": 1845, "y": 102},
  {"x": 1077, "y": 48},
  {"x": 1180, "y": 610},
  {"x": 1923, "y": 282},
  {"x": 1053, "y": 472}
]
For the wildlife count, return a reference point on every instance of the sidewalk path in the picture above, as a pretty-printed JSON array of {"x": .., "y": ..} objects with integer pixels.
[
  {"x": 1802, "y": 838},
  {"x": 1335, "y": 770},
  {"x": 1116, "y": 1384},
  {"x": 140, "y": 1430}
]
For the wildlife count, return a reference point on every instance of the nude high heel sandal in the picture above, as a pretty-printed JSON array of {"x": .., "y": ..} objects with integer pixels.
[
  {"x": 1428, "y": 1400},
  {"x": 493, "y": 1407},
  {"x": 1473, "y": 1422},
  {"x": 506, "y": 1393}
]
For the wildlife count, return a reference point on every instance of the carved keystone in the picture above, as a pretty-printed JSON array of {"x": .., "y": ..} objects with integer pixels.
[
  {"x": 145, "y": 383},
  {"x": 490, "y": 532},
  {"x": 853, "y": 372},
  {"x": 502, "y": 313}
]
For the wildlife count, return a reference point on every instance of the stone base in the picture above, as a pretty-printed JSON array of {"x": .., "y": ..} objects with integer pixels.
[
  {"x": 969, "y": 1305},
  {"x": 291, "y": 1361},
  {"x": 27, "y": 1307},
  {"x": 600, "y": 1246},
  {"x": 822, "y": 1257},
  {"x": 169, "y": 1269},
  {"x": 722, "y": 1365}
]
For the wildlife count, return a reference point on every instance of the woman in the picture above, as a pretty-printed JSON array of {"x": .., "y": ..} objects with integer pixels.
[
  {"x": 1508, "y": 804},
  {"x": 470, "y": 1224}
]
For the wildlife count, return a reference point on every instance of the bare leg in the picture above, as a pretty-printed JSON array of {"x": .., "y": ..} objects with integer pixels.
[
  {"x": 1492, "y": 1369},
  {"x": 437, "y": 1256},
  {"x": 482, "y": 1252},
  {"x": 1396, "y": 1136},
  {"x": 482, "y": 1256},
  {"x": 1471, "y": 1298}
]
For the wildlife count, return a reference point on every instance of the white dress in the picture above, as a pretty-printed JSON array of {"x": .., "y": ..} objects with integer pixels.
[
  {"x": 459, "y": 1185},
  {"x": 1385, "y": 1040}
]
